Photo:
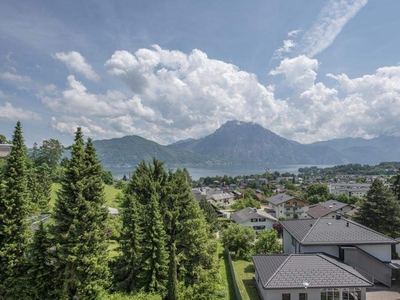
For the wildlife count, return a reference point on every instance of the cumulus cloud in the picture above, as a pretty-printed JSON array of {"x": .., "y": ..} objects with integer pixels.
[
  {"x": 77, "y": 63},
  {"x": 330, "y": 22},
  {"x": 298, "y": 71},
  {"x": 11, "y": 113},
  {"x": 180, "y": 95},
  {"x": 293, "y": 33}
]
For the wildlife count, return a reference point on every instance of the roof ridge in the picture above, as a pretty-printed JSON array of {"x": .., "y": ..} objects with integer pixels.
[
  {"x": 277, "y": 270},
  {"x": 309, "y": 231},
  {"x": 333, "y": 261},
  {"x": 369, "y": 229}
]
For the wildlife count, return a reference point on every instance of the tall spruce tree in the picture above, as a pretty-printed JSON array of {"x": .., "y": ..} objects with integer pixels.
[
  {"x": 40, "y": 277},
  {"x": 79, "y": 230},
  {"x": 127, "y": 265},
  {"x": 154, "y": 257},
  {"x": 380, "y": 210},
  {"x": 14, "y": 230},
  {"x": 396, "y": 185}
]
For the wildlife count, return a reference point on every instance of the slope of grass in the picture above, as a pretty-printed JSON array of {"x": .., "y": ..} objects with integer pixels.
[
  {"x": 244, "y": 271},
  {"x": 225, "y": 274},
  {"x": 109, "y": 191}
]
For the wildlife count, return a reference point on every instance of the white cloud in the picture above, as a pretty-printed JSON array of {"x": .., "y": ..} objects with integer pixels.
[
  {"x": 299, "y": 71},
  {"x": 11, "y": 113},
  {"x": 287, "y": 47},
  {"x": 330, "y": 22},
  {"x": 293, "y": 33},
  {"x": 77, "y": 63},
  {"x": 22, "y": 82},
  {"x": 178, "y": 96}
]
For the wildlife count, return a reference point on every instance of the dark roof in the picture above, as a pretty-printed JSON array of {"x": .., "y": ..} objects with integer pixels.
[
  {"x": 248, "y": 213},
  {"x": 333, "y": 204},
  {"x": 328, "y": 231},
  {"x": 280, "y": 198},
  {"x": 291, "y": 271}
]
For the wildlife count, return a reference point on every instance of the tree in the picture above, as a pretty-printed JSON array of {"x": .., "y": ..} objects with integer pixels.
[
  {"x": 50, "y": 153},
  {"x": 107, "y": 177},
  {"x": 396, "y": 185},
  {"x": 238, "y": 239},
  {"x": 267, "y": 242},
  {"x": 127, "y": 265},
  {"x": 209, "y": 213},
  {"x": 14, "y": 210},
  {"x": 40, "y": 277},
  {"x": 319, "y": 191},
  {"x": 380, "y": 210},
  {"x": 246, "y": 202},
  {"x": 80, "y": 217},
  {"x": 278, "y": 228}
]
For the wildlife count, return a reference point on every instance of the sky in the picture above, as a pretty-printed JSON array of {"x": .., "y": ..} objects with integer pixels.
[{"x": 308, "y": 70}]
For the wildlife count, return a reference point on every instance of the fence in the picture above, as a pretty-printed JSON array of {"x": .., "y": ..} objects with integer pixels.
[{"x": 235, "y": 285}]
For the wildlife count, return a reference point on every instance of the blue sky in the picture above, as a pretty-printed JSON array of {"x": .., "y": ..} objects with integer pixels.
[{"x": 308, "y": 70}]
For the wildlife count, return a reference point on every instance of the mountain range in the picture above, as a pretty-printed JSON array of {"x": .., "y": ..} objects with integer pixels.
[{"x": 238, "y": 142}]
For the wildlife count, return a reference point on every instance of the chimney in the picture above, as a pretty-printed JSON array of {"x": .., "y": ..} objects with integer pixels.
[{"x": 347, "y": 225}]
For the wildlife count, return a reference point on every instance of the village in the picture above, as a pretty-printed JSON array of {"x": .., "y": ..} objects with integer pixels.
[{"x": 325, "y": 253}]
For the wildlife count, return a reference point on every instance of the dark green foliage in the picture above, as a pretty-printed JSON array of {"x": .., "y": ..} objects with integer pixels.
[
  {"x": 384, "y": 168},
  {"x": 246, "y": 202},
  {"x": 380, "y": 210},
  {"x": 127, "y": 265},
  {"x": 267, "y": 242},
  {"x": 49, "y": 153},
  {"x": 172, "y": 274},
  {"x": 14, "y": 210},
  {"x": 396, "y": 185},
  {"x": 209, "y": 213},
  {"x": 238, "y": 239},
  {"x": 40, "y": 277},
  {"x": 107, "y": 177},
  {"x": 80, "y": 223},
  {"x": 316, "y": 193},
  {"x": 154, "y": 257}
]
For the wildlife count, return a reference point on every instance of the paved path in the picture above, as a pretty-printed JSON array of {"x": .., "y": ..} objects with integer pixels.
[{"x": 381, "y": 292}]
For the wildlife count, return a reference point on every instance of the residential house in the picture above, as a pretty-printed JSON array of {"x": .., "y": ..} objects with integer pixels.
[
  {"x": 358, "y": 190},
  {"x": 307, "y": 277},
  {"x": 328, "y": 209},
  {"x": 222, "y": 199},
  {"x": 257, "y": 219},
  {"x": 287, "y": 206},
  {"x": 368, "y": 251}
]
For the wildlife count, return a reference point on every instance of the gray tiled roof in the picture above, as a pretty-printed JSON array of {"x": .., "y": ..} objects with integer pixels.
[
  {"x": 318, "y": 211},
  {"x": 325, "y": 231},
  {"x": 248, "y": 213},
  {"x": 280, "y": 198},
  {"x": 333, "y": 204},
  {"x": 290, "y": 271}
]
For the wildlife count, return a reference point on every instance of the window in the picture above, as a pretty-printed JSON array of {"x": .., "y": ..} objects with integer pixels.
[
  {"x": 293, "y": 241},
  {"x": 262, "y": 219},
  {"x": 351, "y": 294},
  {"x": 331, "y": 294},
  {"x": 285, "y": 296},
  {"x": 303, "y": 296},
  {"x": 254, "y": 220}
]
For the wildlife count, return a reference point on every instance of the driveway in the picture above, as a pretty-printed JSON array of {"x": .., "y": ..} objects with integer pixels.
[{"x": 381, "y": 292}]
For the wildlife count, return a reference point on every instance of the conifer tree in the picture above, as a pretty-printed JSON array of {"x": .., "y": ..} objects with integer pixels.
[
  {"x": 380, "y": 210},
  {"x": 14, "y": 210},
  {"x": 45, "y": 188},
  {"x": 127, "y": 265},
  {"x": 79, "y": 230},
  {"x": 396, "y": 185},
  {"x": 40, "y": 278},
  {"x": 154, "y": 258}
]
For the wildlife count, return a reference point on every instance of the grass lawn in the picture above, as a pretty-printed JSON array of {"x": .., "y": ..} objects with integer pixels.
[
  {"x": 112, "y": 246},
  {"x": 225, "y": 273},
  {"x": 244, "y": 271},
  {"x": 109, "y": 191}
]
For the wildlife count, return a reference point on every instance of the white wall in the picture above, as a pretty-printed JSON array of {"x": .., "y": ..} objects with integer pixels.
[
  {"x": 383, "y": 252},
  {"x": 267, "y": 223},
  {"x": 313, "y": 294},
  {"x": 288, "y": 248}
]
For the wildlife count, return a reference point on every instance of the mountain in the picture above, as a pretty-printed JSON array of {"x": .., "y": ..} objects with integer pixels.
[
  {"x": 245, "y": 143},
  {"x": 233, "y": 143},
  {"x": 363, "y": 151}
]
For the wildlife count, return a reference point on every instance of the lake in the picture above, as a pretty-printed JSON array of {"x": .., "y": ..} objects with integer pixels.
[{"x": 230, "y": 170}]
